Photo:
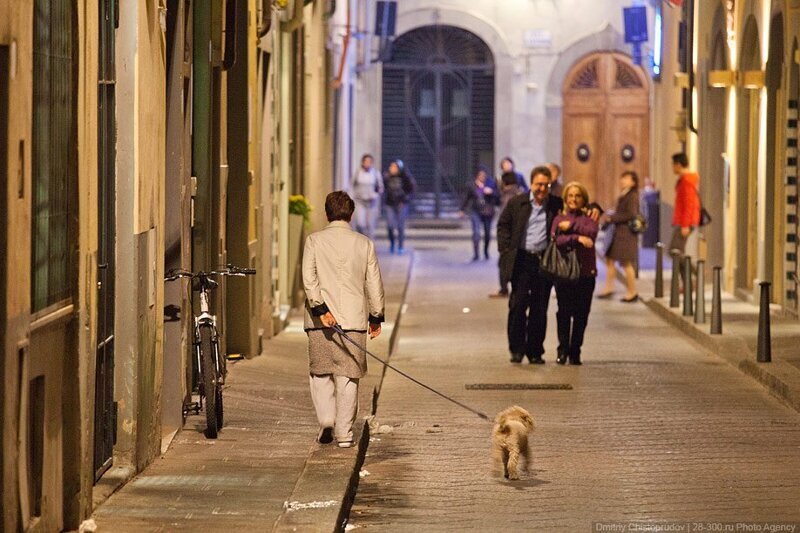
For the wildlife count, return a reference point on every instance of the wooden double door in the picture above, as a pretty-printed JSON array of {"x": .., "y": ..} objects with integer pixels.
[{"x": 606, "y": 118}]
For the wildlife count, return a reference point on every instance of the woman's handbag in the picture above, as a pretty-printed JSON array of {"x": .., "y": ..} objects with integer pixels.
[
  {"x": 560, "y": 266},
  {"x": 705, "y": 216},
  {"x": 638, "y": 224}
]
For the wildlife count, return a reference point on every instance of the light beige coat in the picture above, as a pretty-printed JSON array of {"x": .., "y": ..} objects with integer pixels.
[{"x": 340, "y": 270}]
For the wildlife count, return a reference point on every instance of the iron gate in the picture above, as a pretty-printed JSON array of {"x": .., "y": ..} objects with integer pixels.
[{"x": 438, "y": 112}]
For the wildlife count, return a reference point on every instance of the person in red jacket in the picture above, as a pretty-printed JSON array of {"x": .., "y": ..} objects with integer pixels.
[{"x": 686, "y": 216}]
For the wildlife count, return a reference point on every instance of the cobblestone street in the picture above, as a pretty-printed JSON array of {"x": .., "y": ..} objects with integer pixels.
[{"x": 654, "y": 428}]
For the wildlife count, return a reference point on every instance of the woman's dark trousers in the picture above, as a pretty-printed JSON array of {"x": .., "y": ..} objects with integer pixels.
[
  {"x": 396, "y": 216},
  {"x": 574, "y": 304},
  {"x": 479, "y": 221},
  {"x": 527, "y": 307}
]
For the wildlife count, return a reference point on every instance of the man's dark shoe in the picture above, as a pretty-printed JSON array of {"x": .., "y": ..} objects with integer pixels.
[
  {"x": 536, "y": 360},
  {"x": 562, "y": 358},
  {"x": 516, "y": 357},
  {"x": 499, "y": 294},
  {"x": 575, "y": 360},
  {"x": 325, "y": 436}
]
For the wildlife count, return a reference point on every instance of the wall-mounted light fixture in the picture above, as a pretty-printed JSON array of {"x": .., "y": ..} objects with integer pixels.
[
  {"x": 721, "y": 78},
  {"x": 752, "y": 79}
]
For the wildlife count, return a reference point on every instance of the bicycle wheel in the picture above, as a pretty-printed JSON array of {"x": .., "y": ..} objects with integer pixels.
[
  {"x": 219, "y": 407},
  {"x": 209, "y": 380}
]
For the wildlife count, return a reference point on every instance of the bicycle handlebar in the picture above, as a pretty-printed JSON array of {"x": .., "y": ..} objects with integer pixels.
[{"x": 230, "y": 270}]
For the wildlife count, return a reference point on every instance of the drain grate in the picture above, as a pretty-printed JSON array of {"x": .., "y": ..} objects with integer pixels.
[{"x": 518, "y": 386}]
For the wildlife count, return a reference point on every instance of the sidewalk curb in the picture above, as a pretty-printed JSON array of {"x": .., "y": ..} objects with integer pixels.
[
  {"x": 363, "y": 443},
  {"x": 776, "y": 377}
]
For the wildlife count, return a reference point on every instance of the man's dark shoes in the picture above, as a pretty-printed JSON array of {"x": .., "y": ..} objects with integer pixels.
[
  {"x": 537, "y": 360},
  {"x": 516, "y": 357},
  {"x": 325, "y": 436}
]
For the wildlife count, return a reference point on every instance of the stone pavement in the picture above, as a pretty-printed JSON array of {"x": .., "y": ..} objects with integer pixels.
[
  {"x": 265, "y": 471},
  {"x": 738, "y": 342},
  {"x": 654, "y": 429}
]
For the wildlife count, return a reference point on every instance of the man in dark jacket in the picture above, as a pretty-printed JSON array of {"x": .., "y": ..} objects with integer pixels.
[{"x": 522, "y": 236}]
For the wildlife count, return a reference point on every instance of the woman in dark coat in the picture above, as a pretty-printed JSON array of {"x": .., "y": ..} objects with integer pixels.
[
  {"x": 574, "y": 229},
  {"x": 479, "y": 204},
  {"x": 398, "y": 186},
  {"x": 624, "y": 247}
]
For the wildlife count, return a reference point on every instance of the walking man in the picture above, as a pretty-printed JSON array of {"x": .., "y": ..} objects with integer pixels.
[
  {"x": 522, "y": 236},
  {"x": 687, "y": 205},
  {"x": 367, "y": 189},
  {"x": 343, "y": 286}
]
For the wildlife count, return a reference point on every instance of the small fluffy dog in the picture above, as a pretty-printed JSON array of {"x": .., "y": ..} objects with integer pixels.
[{"x": 510, "y": 440}]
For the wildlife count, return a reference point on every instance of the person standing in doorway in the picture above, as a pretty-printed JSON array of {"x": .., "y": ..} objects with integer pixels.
[
  {"x": 522, "y": 236},
  {"x": 343, "y": 286},
  {"x": 366, "y": 190},
  {"x": 557, "y": 187},
  {"x": 399, "y": 187},
  {"x": 686, "y": 215},
  {"x": 479, "y": 204}
]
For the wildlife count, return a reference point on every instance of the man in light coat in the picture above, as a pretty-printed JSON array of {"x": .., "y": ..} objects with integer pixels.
[{"x": 343, "y": 286}]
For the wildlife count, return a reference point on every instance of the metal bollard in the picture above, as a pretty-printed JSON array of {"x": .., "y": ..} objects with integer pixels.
[
  {"x": 659, "y": 293},
  {"x": 687, "y": 286},
  {"x": 700, "y": 295},
  {"x": 716, "y": 303},
  {"x": 674, "y": 292},
  {"x": 764, "y": 353}
]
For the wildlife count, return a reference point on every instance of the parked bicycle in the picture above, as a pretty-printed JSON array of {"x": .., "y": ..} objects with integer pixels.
[{"x": 210, "y": 366}]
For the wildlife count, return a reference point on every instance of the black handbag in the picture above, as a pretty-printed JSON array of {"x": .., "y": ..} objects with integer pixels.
[
  {"x": 705, "y": 216},
  {"x": 560, "y": 266},
  {"x": 638, "y": 224}
]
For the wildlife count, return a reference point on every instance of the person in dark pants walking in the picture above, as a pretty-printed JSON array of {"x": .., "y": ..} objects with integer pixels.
[
  {"x": 574, "y": 229},
  {"x": 399, "y": 187},
  {"x": 479, "y": 204},
  {"x": 522, "y": 236}
]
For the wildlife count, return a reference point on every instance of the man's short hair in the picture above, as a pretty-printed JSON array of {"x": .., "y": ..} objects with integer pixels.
[
  {"x": 339, "y": 206},
  {"x": 680, "y": 159},
  {"x": 541, "y": 170}
]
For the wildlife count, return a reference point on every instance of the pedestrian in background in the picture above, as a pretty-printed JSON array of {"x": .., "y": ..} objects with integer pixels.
[
  {"x": 573, "y": 229},
  {"x": 556, "y": 187},
  {"x": 509, "y": 188},
  {"x": 624, "y": 247},
  {"x": 366, "y": 189},
  {"x": 507, "y": 165},
  {"x": 522, "y": 236},
  {"x": 343, "y": 285},
  {"x": 686, "y": 215},
  {"x": 399, "y": 187},
  {"x": 480, "y": 201}
]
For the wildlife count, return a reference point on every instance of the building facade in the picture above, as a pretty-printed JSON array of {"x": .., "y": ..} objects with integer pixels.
[
  {"x": 731, "y": 102},
  {"x": 138, "y": 137}
]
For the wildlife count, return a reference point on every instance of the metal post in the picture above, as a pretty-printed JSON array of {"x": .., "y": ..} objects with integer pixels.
[
  {"x": 659, "y": 270},
  {"x": 687, "y": 286},
  {"x": 700, "y": 296},
  {"x": 674, "y": 292},
  {"x": 764, "y": 353},
  {"x": 716, "y": 303}
]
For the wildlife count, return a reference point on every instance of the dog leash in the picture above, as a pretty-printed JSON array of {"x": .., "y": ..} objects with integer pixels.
[{"x": 338, "y": 329}]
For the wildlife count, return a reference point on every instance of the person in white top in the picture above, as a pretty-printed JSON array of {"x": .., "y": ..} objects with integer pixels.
[
  {"x": 366, "y": 190},
  {"x": 343, "y": 286}
]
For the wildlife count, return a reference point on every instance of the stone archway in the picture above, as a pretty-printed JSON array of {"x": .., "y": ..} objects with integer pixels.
[
  {"x": 606, "y": 123},
  {"x": 438, "y": 111}
]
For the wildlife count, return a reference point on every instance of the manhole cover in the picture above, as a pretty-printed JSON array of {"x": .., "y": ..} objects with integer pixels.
[{"x": 518, "y": 386}]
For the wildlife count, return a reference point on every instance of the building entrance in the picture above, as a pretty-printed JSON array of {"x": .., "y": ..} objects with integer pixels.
[
  {"x": 606, "y": 119},
  {"x": 438, "y": 112}
]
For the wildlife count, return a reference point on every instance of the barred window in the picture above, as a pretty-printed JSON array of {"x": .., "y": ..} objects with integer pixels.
[{"x": 54, "y": 165}]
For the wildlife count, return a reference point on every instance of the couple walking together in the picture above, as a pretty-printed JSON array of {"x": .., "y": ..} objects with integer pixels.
[{"x": 523, "y": 233}]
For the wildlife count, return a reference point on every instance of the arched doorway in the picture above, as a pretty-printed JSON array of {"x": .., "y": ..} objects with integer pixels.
[
  {"x": 438, "y": 112},
  {"x": 747, "y": 103},
  {"x": 605, "y": 123}
]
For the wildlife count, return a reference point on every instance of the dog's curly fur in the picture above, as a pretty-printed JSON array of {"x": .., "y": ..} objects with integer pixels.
[{"x": 510, "y": 440}]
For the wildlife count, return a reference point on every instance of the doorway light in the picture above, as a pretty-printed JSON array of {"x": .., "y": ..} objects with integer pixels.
[
  {"x": 721, "y": 78},
  {"x": 753, "y": 79}
]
